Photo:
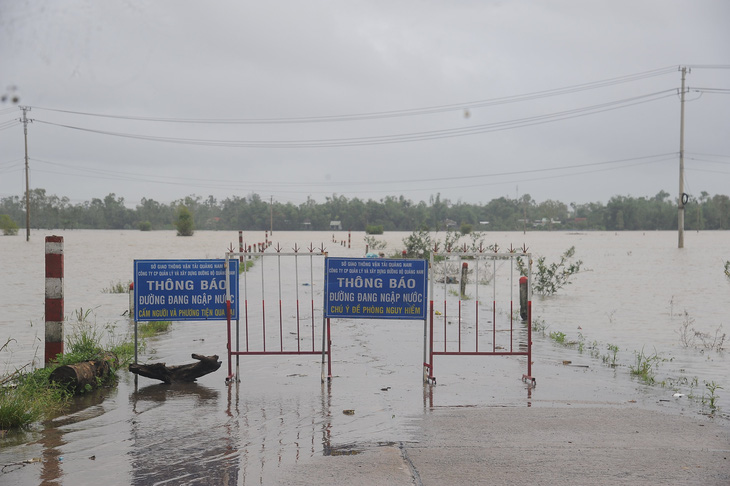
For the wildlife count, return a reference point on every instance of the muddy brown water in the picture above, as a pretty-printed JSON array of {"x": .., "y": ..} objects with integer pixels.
[{"x": 637, "y": 291}]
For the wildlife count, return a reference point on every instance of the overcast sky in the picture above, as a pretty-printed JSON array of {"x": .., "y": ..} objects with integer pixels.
[{"x": 571, "y": 100}]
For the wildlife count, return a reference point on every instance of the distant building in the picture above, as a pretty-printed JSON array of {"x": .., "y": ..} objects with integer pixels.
[
  {"x": 450, "y": 223},
  {"x": 335, "y": 225},
  {"x": 545, "y": 222}
]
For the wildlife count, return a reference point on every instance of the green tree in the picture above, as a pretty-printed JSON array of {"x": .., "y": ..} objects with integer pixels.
[
  {"x": 158, "y": 215},
  {"x": 13, "y": 207},
  {"x": 393, "y": 213},
  {"x": 184, "y": 221}
]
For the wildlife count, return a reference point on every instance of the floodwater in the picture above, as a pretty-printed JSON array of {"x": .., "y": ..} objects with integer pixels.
[{"x": 636, "y": 295}]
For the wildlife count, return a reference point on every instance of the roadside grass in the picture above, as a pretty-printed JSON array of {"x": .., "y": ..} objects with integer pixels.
[{"x": 28, "y": 396}]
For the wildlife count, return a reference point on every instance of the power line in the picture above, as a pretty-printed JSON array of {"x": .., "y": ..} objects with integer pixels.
[
  {"x": 708, "y": 155},
  {"x": 8, "y": 110},
  {"x": 708, "y": 171},
  {"x": 395, "y": 113},
  {"x": 711, "y": 90},
  {"x": 395, "y": 138},
  {"x": 9, "y": 124},
  {"x": 708, "y": 66}
]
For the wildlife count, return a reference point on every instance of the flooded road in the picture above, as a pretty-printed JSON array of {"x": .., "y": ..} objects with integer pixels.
[{"x": 635, "y": 294}]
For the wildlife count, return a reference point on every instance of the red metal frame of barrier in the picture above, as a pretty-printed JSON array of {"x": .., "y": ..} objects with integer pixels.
[
  {"x": 443, "y": 269},
  {"x": 255, "y": 341}
]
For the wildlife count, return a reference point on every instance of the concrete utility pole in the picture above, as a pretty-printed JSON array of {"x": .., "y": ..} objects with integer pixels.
[
  {"x": 680, "y": 214},
  {"x": 27, "y": 182}
]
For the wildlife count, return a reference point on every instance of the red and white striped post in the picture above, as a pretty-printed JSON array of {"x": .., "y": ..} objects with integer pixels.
[{"x": 54, "y": 297}]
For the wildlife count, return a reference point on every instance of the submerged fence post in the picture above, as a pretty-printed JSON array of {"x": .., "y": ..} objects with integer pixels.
[
  {"x": 523, "y": 298},
  {"x": 54, "y": 298},
  {"x": 464, "y": 275},
  {"x": 131, "y": 300}
]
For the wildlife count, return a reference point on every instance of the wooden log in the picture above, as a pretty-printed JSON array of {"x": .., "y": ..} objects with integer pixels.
[
  {"x": 180, "y": 373},
  {"x": 80, "y": 376}
]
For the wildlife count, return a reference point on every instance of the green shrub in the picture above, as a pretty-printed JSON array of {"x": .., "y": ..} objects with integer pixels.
[
  {"x": 184, "y": 222},
  {"x": 419, "y": 244},
  {"x": 558, "y": 337},
  {"x": 8, "y": 226},
  {"x": 374, "y": 229},
  {"x": 144, "y": 226},
  {"x": 549, "y": 278}
]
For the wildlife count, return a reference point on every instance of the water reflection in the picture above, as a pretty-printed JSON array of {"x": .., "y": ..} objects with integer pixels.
[
  {"x": 279, "y": 431},
  {"x": 52, "y": 441},
  {"x": 429, "y": 392},
  {"x": 55, "y": 434},
  {"x": 183, "y": 441}
]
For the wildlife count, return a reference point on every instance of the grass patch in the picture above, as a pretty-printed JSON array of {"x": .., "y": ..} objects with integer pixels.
[
  {"x": 152, "y": 328},
  {"x": 455, "y": 293},
  {"x": 117, "y": 288},
  {"x": 711, "y": 398},
  {"x": 611, "y": 358},
  {"x": 27, "y": 397},
  {"x": 247, "y": 265},
  {"x": 645, "y": 366}
]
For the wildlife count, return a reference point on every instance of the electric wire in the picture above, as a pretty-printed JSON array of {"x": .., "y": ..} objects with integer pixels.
[
  {"x": 396, "y": 113},
  {"x": 707, "y": 155},
  {"x": 395, "y": 138},
  {"x": 708, "y": 66},
  {"x": 699, "y": 159},
  {"x": 696, "y": 169},
  {"x": 711, "y": 90},
  {"x": 9, "y": 124}
]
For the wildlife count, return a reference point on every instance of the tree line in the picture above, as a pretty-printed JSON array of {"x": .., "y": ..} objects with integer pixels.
[{"x": 388, "y": 214}]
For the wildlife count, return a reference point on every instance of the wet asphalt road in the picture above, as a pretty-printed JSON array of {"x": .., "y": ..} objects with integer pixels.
[{"x": 510, "y": 445}]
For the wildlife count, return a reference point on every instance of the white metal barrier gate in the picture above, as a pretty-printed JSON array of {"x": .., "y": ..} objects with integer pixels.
[
  {"x": 465, "y": 285},
  {"x": 296, "y": 313}
]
